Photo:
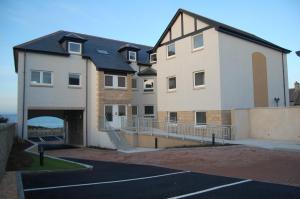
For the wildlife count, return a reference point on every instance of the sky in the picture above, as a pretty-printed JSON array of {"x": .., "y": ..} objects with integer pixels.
[{"x": 138, "y": 21}]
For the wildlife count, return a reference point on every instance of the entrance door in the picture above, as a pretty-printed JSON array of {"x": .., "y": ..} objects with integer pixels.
[{"x": 114, "y": 114}]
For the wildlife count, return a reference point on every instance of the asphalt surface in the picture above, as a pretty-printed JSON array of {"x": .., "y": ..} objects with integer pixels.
[{"x": 118, "y": 180}]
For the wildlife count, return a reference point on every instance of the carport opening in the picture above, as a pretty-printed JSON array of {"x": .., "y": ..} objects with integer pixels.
[{"x": 46, "y": 129}]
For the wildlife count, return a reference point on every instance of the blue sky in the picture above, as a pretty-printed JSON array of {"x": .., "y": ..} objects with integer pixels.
[{"x": 137, "y": 21}]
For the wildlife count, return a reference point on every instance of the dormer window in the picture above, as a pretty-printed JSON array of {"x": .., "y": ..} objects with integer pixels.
[
  {"x": 153, "y": 58},
  {"x": 74, "y": 48},
  {"x": 131, "y": 56}
]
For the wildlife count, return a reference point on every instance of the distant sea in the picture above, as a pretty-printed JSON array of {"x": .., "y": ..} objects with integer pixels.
[{"x": 50, "y": 122}]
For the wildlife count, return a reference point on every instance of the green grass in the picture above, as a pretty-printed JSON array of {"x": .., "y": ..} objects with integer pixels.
[{"x": 52, "y": 164}]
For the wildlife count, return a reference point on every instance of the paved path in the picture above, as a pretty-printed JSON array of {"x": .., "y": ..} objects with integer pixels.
[{"x": 119, "y": 180}]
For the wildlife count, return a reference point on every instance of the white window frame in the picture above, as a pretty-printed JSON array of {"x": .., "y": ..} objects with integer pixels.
[
  {"x": 134, "y": 60},
  {"x": 115, "y": 82},
  {"x": 150, "y": 90},
  {"x": 149, "y": 115},
  {"x": 74, "y": 86},
  {"x": 74, "y": 52},
  {"x": 168, "y": 84},
  {"x": 199, "y": 48},
  {"x": 151, "y": 58},
  {"x": 200, "y": 125},
  {"x": 194, "y": 79},
  {"x": 125, "y": 105},
  {"x": 171, "y": 56},
  {"x": 41, "y": 72}
]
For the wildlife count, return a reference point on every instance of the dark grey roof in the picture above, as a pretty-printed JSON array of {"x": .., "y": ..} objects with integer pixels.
[
  {"x": 147, "y": 72},
  {"x": 221, "y": 28},
  {"x": 129, "y": 46},
  {"x": 110, "y": 61}
]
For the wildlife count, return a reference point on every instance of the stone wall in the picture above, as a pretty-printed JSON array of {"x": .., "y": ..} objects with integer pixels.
[
  {"x": 7, "y": 134},
  {"x": 111, "y": 96},
  {"x": 188, "y": 117}
]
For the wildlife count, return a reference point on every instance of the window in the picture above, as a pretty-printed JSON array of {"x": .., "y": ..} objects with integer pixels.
[
  {"x": 134, "y": 110},
  {"x": 153, "y": 58},
  {"x": 35, "y": 77},
  {"x": 197, "y": 41},
  {"x": 171, "y": 50},
  {"x": 122, "y": 110},
  {"x": 74, "y": 48},
  {"x": 74, "y": 79},
  {"x": 41, "y": 77},
  {"x": 171, "y": 83},
  {"x": 132, "y": 56},
  {"x": 115, "y": 81},
  {"x": 148, "y": 85},
  {"x": 173, "y": 117},
  {"x": 149, "y": 111},
  {"x": 200, "y": 118},
  {"x": 199, "y": 79},
  {"x": 121, "y": 82},
  {"x": 134, "y": 83}
]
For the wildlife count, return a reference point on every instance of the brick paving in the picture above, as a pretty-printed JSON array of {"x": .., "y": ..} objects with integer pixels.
[{"x": 274, "y": 166}]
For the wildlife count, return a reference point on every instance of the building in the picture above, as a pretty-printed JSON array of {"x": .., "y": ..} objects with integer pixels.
[
  {"x": 206, "y": 68},
  {"x": 83, "y": 79},
  {"x": 198, "y": 71}
]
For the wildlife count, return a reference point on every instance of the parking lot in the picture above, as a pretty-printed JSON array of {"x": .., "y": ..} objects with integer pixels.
[{"x": 120, "y": 180}]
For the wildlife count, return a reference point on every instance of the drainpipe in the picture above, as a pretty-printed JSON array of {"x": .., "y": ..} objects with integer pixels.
[
  {"x": 24, "y": 75},
  {"x": 283, "y": 75},
  {"x": 86, "y": 103}
]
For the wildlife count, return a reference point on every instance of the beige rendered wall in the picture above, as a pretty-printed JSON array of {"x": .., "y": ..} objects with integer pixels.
[
  {"x": 59, "y": 96},
  {"x": 237, "y": 75},
  {"x": 148, "y": 141},
  {"x": 95, "y": 137},
  {"x": 186, "y": 61},
  {"x": 268, "y": 123}
]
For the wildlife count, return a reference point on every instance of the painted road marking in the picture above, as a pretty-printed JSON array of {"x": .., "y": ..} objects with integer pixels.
[
  {"x": 106, "y": 182},
  {"x": 210, "y": 189}
]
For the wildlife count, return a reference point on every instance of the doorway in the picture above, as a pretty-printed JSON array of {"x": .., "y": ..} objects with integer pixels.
[{"x": 114, "y": 113}]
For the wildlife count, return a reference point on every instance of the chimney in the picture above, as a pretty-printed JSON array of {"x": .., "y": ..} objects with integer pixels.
[{"x": 297, "y": 85}]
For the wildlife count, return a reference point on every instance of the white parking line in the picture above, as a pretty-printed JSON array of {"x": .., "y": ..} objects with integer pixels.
[
  {"x": 210, "y": 189},
  {"x": 107, "y": 182}
]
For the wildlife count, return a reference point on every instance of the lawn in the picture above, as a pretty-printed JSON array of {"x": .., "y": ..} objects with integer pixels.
[{"x": 51, "y": 164}]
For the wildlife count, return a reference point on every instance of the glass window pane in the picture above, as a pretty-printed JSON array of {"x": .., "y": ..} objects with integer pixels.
[
  {"x": 173, "y": 116},
  {"x": 47, "y": 77},
  {"x": 148, "y": 85},
  {"x": 200, "y": 118},
  {"x": 74, "y": 79},
  {"x": 132, "y": 55},
  {"x": 121, "y": 81},
  {"x": 74, "y": 47},
  {"x": 122, "y": 110},
  {"x": 108, "y": 113},
  {"x": 171, "y": 49},
  {"x": 172, "y": 83},
  {"x": 108, "y": 80},
  {"x": 149, "y": 110},
  {"x": 198, "y": 41},
  {"x": 199, "y": 78},
  {"x": 134, "y": 110},
  {"x": 134, "y": 83},
  {"x": 35, "y": 77}
]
